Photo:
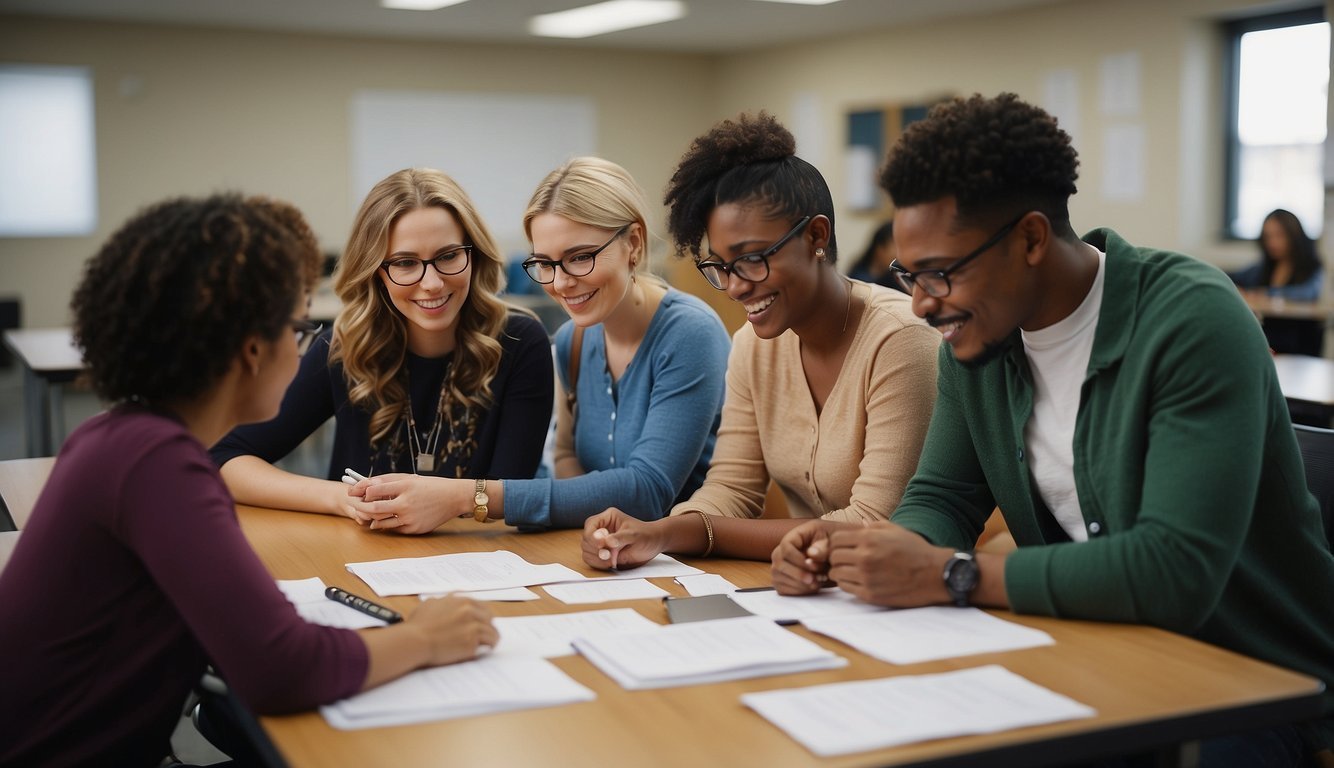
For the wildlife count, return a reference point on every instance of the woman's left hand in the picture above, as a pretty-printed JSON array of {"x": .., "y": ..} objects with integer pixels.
[{"x": 411, "y": 503}]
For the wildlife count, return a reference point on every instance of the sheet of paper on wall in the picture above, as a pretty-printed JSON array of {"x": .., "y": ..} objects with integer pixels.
[
  {"x": 786, "y": 608},
  {"x": 598, "y": 591},
  {"x": 484, "y": 686},
  {"x": 549, "y": 635},
  {"x": 704, "y": 652},
  {"x": 461, "y": 572},
  {"x": 913, "y": 635},
  {"x": 875, "y": 714},
  {"x": 311, "y": 604},
  {"x": 703, "y": 584}
]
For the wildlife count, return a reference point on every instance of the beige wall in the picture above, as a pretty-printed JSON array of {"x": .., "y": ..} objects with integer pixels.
[
  {"x": 1178, "y": 47},
  {"x": 183, "y": 110},
  {"x": 268, "y": 113}
]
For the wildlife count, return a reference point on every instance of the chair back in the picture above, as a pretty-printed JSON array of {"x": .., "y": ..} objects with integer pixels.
[{"x": 1318, "y": 455}]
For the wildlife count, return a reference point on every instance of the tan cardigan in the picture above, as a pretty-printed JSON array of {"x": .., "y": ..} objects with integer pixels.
[{"x": 853, "y": 460}]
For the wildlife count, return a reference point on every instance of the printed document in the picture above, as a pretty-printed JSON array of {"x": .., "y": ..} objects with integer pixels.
[
  {"x": 599, "y": 591},
  {"x": 703, "y": 652},
  {"x": 911, "y": 635},
  {"x": 461, "y": 572},
  {"x": 549, "y": 635},
  {"x": 841, "y": 718},
  {"x": 311, "y": 604},
  {"x": 785, "y": 608},
  {"x": 487, "y": 685}
]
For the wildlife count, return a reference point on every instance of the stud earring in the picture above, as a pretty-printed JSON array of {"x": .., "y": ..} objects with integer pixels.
[{"x": 819, "y": 254}]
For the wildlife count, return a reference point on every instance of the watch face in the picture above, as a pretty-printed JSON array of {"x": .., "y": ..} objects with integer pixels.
[
  {"x": 961, "y": 577},
  {"x": 481, "y": 498}
]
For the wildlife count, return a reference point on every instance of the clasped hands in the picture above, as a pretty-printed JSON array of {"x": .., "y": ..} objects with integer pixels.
[
  {"x": 406, "y": 503},
  {"x": 880, "y": 563}
]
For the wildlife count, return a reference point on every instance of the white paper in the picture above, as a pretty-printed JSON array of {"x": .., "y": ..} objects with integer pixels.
[
  {"x": 549, "y": 635},
  {"x": 513, "y": 595},
  {"x": 1060, "y": 92},
  {"x": 913, "y": 635},
  {"x": 307, "y": 595},
  {"x": 660, "y": 567},
  {"x": 706, "y": 584},
  {"x": 597, "y": 591},
  {"x": 1118, "y": 95},
  {"x": 840, "y": 718},
  {"x": 487, "y": 685},
  {"x": 1123, "y": 162},
  {"x": 826, "y": 602},
  {"x": 458, "y": 573},
  {"x": 704, "y": 652}
]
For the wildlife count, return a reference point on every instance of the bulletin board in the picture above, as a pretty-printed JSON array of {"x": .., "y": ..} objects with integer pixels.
[{"x": 871, "y": 133}]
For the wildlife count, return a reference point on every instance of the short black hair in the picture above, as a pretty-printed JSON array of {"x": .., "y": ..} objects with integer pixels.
[
  {"x": 998, "y": 157},
  {"x": 165, "y": 306},
  {"x": 750, "y": 159}
]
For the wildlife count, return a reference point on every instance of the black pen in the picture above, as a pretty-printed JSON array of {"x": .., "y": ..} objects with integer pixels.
[{"x": 387, "y": 615}]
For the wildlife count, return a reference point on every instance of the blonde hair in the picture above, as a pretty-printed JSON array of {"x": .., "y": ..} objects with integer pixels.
[
  {"x": 595, "y": 192},
  {"x": 370, "y": 336}
]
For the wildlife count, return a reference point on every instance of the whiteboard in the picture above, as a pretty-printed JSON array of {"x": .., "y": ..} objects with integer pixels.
[{"x": 496, "y": 146}]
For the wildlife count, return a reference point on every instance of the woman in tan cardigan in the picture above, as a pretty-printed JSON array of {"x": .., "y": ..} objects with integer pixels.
[{"x": 831, "y": 382}]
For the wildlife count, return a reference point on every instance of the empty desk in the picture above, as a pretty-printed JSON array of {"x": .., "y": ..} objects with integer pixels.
[{"x": 50, "y": 360}]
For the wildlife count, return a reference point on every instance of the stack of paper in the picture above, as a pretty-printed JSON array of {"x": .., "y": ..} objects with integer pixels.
[
  {"x": 550, "y": 634},
  {"x": 704, "y": 652},
  {"x": 913, "y": 635},
  {"x": 873, "y": 714},
  {"x": 311, "y": 604},
  {"x": 458, "y": 573},
  {"x": 600, "y": 591},
  {"x": 484, "y": 686}
]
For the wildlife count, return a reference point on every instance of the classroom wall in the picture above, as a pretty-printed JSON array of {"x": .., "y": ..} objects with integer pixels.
[
  {"x": 189, "y": 110},
  {"x": 1178, "y": 45}
]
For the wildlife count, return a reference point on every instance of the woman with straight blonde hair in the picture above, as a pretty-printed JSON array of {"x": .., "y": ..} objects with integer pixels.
[
  {"x": 430, "y": 377},
  {"x": 650, "y": 366}
]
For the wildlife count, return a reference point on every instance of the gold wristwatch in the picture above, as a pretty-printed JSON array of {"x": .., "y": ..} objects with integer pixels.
[{"x": 480, "y": 513}]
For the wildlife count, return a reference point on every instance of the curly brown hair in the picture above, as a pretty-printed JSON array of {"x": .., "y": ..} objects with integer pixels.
[
  {"x": 166, "y": 305},
  {"x": 748, "y": 160},
  {"x": 998, "y": 157}
]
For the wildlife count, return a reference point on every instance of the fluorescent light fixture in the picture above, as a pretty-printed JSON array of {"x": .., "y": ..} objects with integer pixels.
[
  {"x": 419, "y": 5},
  {"x": 601, "y": 18},
  {"x": 802, "y": 2}
]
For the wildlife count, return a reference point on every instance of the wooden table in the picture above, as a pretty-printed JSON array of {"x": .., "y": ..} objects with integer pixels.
[
  {"x": 1264, "y": 305},
  {"x": 49, "y": 360},
  {"x": 21, "y": 481},
  {"x": 1150, "y": 687},
  {"x": 1306, "y": 379}
]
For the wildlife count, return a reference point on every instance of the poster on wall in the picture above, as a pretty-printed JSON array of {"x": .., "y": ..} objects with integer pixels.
[{"x": 871, "y": 133}]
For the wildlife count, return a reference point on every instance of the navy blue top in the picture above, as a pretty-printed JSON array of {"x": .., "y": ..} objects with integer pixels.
[
  {"x": 507, "y": 438},
  {"x": 644, "y": 441}
]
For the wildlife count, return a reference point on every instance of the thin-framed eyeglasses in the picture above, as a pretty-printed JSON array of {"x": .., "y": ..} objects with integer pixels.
[
  {"x": 751, "y": 267},
  {"x": 578, "y": 265},
  {"x": 306, "y": 331},
  {"x": 936, "y": 282},
  {"x": 409, "y": 270}
]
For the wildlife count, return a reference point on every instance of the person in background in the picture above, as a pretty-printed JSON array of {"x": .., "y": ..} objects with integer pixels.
[
  {"x": 651, "y": 364},
  {"x": 873, "y": 265},
  {"x": 830, "y": 382},
  {"x": 1117, "y": 403},
  {"x": 428, "y": 375},
  {"x": 132, "y": 572},
  {"x": 1289, "y": 269}
]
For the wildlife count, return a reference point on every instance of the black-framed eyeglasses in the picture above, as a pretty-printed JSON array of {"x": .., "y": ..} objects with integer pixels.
[
  {"x": 306, "y": 331},
  {"x": 578, "y": 265},
  {"x": 751, "y": 267},
  {"x": 936, "y": 282},
  {"x": 408, "y": 270}
]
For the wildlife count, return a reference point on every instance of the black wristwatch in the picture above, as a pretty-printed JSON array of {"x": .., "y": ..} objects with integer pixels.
[{"x": 961, "y": 577}]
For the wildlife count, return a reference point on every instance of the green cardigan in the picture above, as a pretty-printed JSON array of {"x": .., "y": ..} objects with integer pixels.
[{"x": 1186, "y": 466}]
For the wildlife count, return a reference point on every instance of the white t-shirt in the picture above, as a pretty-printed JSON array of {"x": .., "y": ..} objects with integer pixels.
[{"x": 1058, "y": 356}]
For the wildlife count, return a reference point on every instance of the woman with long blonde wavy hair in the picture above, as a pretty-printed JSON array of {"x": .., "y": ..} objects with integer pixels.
[{"x": 430, "y": 377}]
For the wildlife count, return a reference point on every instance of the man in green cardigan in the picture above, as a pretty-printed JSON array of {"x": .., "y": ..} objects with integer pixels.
[{"x": 1118, "y": 404}]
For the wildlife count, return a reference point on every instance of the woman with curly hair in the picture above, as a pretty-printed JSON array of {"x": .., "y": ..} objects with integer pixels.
[
  {"x": 1290, "y": 269},
  {"x": 132, "y": 571},
  {"x": 428, "y": 375},
  {"x": 652, "y": 361},
  {"x": 830, "y": 383}
]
